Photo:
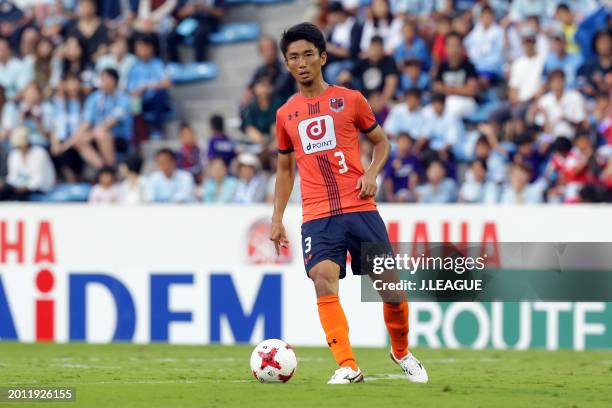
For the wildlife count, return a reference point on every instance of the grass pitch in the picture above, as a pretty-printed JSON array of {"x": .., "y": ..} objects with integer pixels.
[{"x": 127, "y": 375}]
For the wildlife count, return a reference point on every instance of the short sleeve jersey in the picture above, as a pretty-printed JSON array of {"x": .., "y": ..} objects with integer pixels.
[{"x": 323, "y": 131}]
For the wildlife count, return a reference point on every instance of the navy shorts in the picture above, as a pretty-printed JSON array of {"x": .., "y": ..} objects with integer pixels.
[{"x": 331, "y": 237}]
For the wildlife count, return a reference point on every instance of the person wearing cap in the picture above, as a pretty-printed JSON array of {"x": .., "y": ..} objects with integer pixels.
[
  {"x": 30, "y": 169},
  {"x": 559, "y": 58},
  {"x": 168, "y": 184},
  {"x": 251, "y": 185}
]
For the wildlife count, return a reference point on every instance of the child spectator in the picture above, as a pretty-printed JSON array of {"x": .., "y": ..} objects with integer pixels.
[
  {"x": 218, "y": 187},
  {"x": 133, "y": 187},
  {"x": 105, "y": 191},
  {"x": 168, "y": 184},
  {"x": 189, "y": 156},
  {"x": 251, "y": 185},
  {"x": 476, "y": 188},
  {"x": 439, "y": 189},
  {"x": 519, "y": 190},
  {"x": 402, "y": 171},
  {"x": 219, "y": 144}
]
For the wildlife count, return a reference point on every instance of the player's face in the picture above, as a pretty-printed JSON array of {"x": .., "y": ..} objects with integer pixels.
[{"x": 304, "y": 61}]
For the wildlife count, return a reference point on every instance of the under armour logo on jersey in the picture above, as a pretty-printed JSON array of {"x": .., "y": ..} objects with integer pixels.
[
  {"x": 313, "y": 108},
  {"x": 293, "y": 115}
]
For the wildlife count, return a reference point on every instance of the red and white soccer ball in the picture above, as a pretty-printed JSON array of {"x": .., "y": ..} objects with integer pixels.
[{"x": 273, "y": 360}]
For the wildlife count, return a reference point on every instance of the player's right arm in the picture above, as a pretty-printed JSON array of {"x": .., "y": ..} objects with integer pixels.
[{"x": 285, "y": 176}]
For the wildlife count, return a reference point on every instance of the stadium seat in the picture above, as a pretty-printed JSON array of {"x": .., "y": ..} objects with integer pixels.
[
  {"x": 78, "y": 192},
  {"x": 235, "y": 32},
  {"x": 192, "y": 72}
]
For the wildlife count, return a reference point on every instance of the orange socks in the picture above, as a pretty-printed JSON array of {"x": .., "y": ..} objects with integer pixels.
[
  {"x": 336, "y": 330},
  {"x": 396, "y": 319}
]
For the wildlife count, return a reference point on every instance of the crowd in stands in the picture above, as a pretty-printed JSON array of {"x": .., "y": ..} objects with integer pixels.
[{"x": 485, "y": 101}]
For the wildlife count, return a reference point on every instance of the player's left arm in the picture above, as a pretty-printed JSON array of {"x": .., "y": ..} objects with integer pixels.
[{"x": 367, "y": 183}]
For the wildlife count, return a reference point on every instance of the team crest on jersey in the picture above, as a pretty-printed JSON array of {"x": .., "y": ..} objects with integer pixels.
[{"x": 336, "y": 104}]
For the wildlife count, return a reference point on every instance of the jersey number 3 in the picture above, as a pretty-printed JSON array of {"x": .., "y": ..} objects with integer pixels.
[{"x": 341, "y": 162}]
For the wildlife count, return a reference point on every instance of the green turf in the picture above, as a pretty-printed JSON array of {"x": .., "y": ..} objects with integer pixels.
[{"x": 126, "y": 375}]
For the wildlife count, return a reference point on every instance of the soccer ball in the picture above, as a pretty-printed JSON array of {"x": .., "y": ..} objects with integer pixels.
[{"x": 273, "y": 360}]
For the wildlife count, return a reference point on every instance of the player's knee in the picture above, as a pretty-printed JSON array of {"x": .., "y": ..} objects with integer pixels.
[{"x": 325, "y": 281}]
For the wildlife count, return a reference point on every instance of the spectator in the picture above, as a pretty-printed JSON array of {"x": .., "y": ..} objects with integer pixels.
[
  {"x": 515, "y": 40},
  {"x": 519, "y": 190},
  {"x": 376, "y": 73},
  {"x": 559, "y": 58},
  {"x": 133, "y": 187},
  {"x": 527, "y": 153},
  {"x": 591, "y": 76},
  {"x": 105, "y": 191},
  {"x": 496, "y": 160},
  {"x": 412, "y": 47},
  {"x": 283, "y": 84},
  {"x": 379, "y": 107},
  {"x": 27, "y": 44},
  {"x": 118, "y": 59},
  {"x": 197, "y": 20},
  {"x": 219, "y": 144},
  {"x": 565, "y": 18},
  {"x": 260, "y": 118},
  {"x": 574, "y": 165},
  {"x": 438, "y": 48},
  {"x": 439, "y": 189},
  {"x": 476, "y": 188},
  {"x": 30, "y": 170},
  {"x": 13, "y": 76},
  {"x": 218, "y": 187},
  {"x": 41, "y": 66},
  {"x": 148, "y": 82},
  {"x": 90, "y": 30},
  {"x": 73, "y": 61},
  {"x": 107, "y": 120},
  {"x": 560, "y": 110},
  {"x": 413, "y": 76},
  {"x": 32, "y": 113},
  {"x": 406, "y": 117},
  {"x": 381, "y": 23},
  {"x": 485, "y": 46},
  {"x": 457, "y": 79},
  {"x": 67, "y": 110},
  {"x": 343, "y": 41},
  {"x": 251, "y": 186},
  {"x": 168, "y": 184},
  {"x": 151, "y": 18},
  {"x": 402, "y": 171},
  {"x": 189, "y": 156},
  {"x": 443, "y": 132},
  {"x": 525, "y": 82}
]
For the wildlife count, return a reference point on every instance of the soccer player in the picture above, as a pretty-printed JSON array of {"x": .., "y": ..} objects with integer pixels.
[{"x": 319, "y": 127}]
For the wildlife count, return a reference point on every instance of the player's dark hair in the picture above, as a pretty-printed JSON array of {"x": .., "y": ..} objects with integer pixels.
[
  {"x": 133, "y": 163},
  {"x": 166, "y": 152},
  {"x": 377, "y": 39},
  {"x": 113, "y": 73},
  {"x": 303, "y": 31},
  {"x": 217, "y": 123}
]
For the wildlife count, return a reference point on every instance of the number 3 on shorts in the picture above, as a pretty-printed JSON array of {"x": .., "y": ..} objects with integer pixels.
[
  {"x": 307, "y": 244},
  {"x": 341, "y": 162}
]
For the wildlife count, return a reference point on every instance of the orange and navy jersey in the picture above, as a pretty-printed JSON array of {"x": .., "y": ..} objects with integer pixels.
[{"x": 323, "y": 131}]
